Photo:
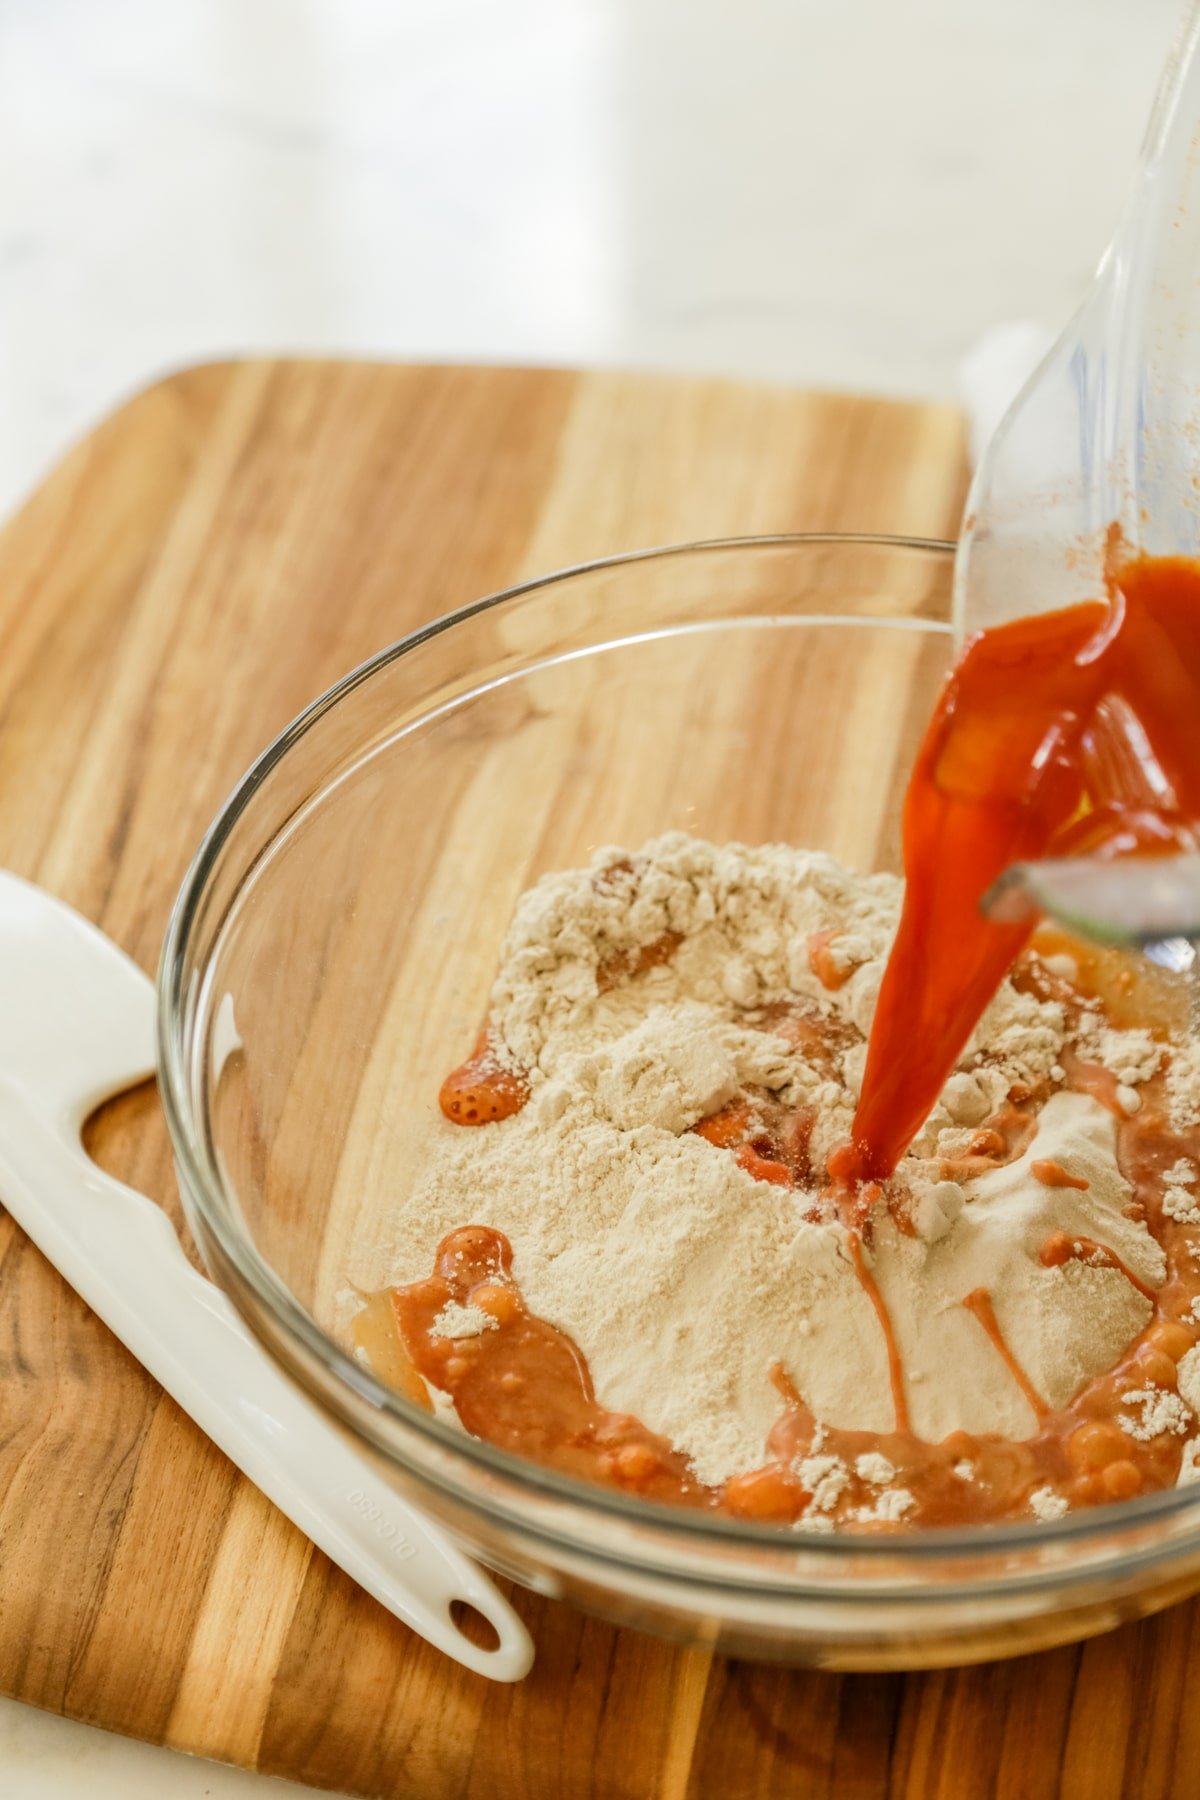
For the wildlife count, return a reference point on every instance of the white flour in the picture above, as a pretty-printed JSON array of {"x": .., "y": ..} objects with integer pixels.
[{"x": 681, "y": 1277}]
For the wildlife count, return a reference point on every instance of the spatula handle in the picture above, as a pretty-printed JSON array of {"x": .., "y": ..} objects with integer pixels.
[{"x": 120, "y": 1253}]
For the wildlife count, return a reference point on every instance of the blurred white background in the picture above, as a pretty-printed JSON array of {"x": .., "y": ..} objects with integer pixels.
[
  {"x": 842, "y": 193},
  {"x": 838, "y": 192}
]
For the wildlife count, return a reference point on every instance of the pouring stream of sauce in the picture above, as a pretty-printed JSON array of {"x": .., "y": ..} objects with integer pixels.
[{"x": 1061, "y": 734}]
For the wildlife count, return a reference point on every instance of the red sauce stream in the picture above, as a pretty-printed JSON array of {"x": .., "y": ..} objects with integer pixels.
[
  {"x": 979, "y": 1302},
  {"x": 1067, "y": 732},
  {"x": 870, "y": 1288}
]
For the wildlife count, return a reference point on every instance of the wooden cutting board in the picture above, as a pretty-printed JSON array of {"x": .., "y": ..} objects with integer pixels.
[{"x": 210, "y": 558}]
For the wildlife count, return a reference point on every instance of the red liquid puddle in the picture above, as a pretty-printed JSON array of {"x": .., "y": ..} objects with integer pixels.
[
  {"x": 482, "y": 1091},
  {"x": 1069, "y": 732}
]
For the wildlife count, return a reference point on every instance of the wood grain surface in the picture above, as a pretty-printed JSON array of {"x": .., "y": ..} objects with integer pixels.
[{"x": 205, "y": 562}]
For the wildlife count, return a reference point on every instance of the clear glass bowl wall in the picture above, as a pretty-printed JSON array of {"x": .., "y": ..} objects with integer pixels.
[{"x": 330, "y": 957}]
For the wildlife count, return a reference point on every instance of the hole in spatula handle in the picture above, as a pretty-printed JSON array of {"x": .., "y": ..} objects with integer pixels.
[{"x": 474, "y": 1625}]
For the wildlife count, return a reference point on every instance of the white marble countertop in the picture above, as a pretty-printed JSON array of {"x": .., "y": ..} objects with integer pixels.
[{"x": 843, "y": 193}]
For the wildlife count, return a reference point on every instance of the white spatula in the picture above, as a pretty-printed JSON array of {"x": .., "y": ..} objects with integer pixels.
[{"x": 77, "y": 1026}]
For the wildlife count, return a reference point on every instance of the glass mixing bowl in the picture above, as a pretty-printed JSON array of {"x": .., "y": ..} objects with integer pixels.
[{"x": 329, "y": 960}]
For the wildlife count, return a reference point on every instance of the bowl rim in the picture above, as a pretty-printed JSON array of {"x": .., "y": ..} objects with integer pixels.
[{"x": 308, "y": 1343}]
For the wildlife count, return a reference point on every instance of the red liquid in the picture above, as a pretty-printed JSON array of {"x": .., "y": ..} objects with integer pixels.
[{"x": 1064, "y": 733}]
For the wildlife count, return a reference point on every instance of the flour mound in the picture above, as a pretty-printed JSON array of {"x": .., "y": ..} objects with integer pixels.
[{"x": 636, "y": 996}]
